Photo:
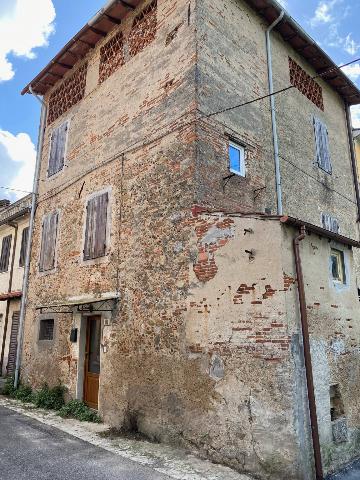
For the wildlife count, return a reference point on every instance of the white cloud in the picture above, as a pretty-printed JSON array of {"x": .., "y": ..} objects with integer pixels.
[
  {"x": 20, "y": 156},
  {"x": 355, "y": 114},
  {"x": 350, "y": 46},
  {"x": 323, "y": 13},
  {"x": 352, "y": 71},
  {"x": 24, "y": 26},
  {"x": 334, "y": 39},
  {"x": 283, "y": 3}
]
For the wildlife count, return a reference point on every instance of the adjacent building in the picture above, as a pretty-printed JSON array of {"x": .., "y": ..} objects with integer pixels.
[
  {"x": 14, "y": 229},
  {"x": 174, "y": 270},
  {"x": 357, "y": 146}
]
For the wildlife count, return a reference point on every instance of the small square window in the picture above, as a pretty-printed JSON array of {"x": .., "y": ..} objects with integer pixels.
[
  {"x": 46, "y": 331},
  {"x": 237, "y": 159},
  {"x": 338, "y": 266}
]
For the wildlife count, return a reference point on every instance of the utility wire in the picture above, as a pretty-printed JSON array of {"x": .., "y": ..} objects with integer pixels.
[
  {"x": 138, "y": 144},
  {"x": 282, "y": 90},
  {"x": 15, "y": 190}
]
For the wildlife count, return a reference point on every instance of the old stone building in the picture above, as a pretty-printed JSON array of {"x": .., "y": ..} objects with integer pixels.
[
  {"x": 163, "y": 287},
  {"x": 14, "y": 228}
]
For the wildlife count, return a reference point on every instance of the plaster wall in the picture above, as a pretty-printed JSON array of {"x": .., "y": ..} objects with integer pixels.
[{"x": 232, "y": 70}]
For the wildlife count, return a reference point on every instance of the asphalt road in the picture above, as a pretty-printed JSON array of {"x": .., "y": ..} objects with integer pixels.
[
  {"x": 30, "y": 450},
  {"x": 352, "y": 472}
]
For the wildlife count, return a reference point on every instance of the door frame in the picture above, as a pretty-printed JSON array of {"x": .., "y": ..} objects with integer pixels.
[
  {"x": 94, "y": 318},
  {"x": 80, "y": 322}
]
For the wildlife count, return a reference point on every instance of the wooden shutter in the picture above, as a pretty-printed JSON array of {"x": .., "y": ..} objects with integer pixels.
[
  {"x": 330, "y": 223},
  {"x": 57, "y": 150},
  {"x": 13, "y": 343},
  {"x": 48, "y": 242},
  {"x": 96, "y": 226},
  {"x": 5, "y": 253},
  {"x": 322, "y": 145},
  {"x": 24, "y": 242}
]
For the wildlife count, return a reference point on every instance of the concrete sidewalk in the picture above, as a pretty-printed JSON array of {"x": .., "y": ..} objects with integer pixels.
[{"x": 72, "y": 447}]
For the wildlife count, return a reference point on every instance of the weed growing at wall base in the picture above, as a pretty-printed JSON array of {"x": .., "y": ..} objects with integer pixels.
[
  {"x": 51, "y": 399},
  {"x": 80, "y": 411}
]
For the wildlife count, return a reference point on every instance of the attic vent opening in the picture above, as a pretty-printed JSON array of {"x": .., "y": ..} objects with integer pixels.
[
  {"x": 305, "y": 84},
  {"x": 111, "y": 57},
  {"x": 70, "y": 92},
  {"x": 143, "y": 30}
]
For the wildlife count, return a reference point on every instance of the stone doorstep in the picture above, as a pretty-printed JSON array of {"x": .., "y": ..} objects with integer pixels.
[{"x": 170, "y": 461}]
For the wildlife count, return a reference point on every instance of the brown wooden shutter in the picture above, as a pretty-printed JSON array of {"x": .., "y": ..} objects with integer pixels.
[
  {"x": 96, "y": 227},
  {"x": 57, "y": 150},
  {"x": 13, "y": 343},
  {"x": 24, "y": 242},
  {"x": 5, "y": 253},
  {"x": 48, "y": 242}
]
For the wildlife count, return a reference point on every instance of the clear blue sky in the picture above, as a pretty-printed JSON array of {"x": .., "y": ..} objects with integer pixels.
[{"x": 333, "y": 23}]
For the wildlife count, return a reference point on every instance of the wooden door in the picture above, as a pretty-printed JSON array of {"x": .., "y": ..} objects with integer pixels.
[
  {"x": 13, "y": 343},
  {"x": 92, "y": 361}
]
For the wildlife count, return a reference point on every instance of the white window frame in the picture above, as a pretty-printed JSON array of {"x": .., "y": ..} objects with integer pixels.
[{"x": 242, "y": 150}]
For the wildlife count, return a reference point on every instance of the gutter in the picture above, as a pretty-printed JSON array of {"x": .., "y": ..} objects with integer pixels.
[
  {"x": 31, "y": 232},
  {"x": 307, "y": 356},
  {"x": 101, "y": 12},
  {"x": 17, "y": 215},
  {"x": 353, "y": 159},
  {"x": 6, "y": 321},
  {"x": 273, "y": 114}
]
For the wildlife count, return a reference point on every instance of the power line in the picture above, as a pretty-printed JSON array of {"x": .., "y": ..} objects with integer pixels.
[
  {"x": 137, "y": 144},
  {"x": 282, "y": 90},
  {"x": 14, "y": 190}
]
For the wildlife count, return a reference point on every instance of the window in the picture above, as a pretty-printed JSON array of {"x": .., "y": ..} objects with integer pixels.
[
  {"x": 330, "y": 223},
  {"x": 57, "y": 149},
  {"x": 5, "y": 253},
  {"x": 338, "y": 266},
  {"x": 46, "y": 330},
  {"x": 96, "y": 226},
  {"x": 24, "y": 242},
  {"x": 237, "y": 159},
  {"x": 48, "y": 242},
  {"x": 322, "y": 145}
]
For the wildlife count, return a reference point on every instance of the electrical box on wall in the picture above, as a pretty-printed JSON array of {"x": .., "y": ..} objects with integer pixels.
[{"x": 73, "y": 335}]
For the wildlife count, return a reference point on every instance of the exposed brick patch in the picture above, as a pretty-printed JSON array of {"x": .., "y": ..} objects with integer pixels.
[
  {"x": 213, "y": 233},
  {"x": 269, "y": 292},
  {"x": 242, "y": 290},
  {"x": 288, "y": 281},
  {"x": 70, "y": 92},
  {"x": 111, "y": 57},
  {"x": 143, "y": 30}
]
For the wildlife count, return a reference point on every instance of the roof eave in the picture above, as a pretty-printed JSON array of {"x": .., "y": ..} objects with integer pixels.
[{"x": 295, "y": 222}]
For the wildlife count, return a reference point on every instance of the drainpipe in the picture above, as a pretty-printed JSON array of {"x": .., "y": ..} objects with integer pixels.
[
  {"x": 307, "y": 356},
  {"x": 6, "y": 321},
  {"x": 31, "y": 231},
  {"x": 273, "y": 114},
  {"x": 353, "y": 159}
]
